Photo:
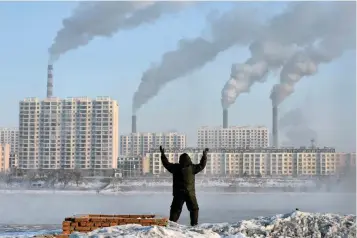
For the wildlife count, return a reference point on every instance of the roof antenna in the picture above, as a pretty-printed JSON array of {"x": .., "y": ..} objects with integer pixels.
[{"x": 312, "y": 143}]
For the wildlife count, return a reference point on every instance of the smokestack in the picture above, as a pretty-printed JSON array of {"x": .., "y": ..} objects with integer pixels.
[
  {"x": 133, "y": 124},
  {"x": 275, "y": 127},
  {"x": 49, "y": 81},
  {"x": 225, "y": 118}
]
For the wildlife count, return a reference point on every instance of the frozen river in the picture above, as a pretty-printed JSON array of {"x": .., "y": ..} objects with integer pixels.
[{"x": 52, "y": 208}]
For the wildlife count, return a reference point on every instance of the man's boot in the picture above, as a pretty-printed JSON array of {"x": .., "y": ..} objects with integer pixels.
[
  {"x": 174, "y": 214},
  {"x": 194, "y": 217}
]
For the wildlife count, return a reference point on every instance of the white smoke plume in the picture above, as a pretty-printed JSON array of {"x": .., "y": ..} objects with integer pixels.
[
  {"x": 265, "y": 56},
  {"x": 103, "y": 19},
  {"x": 235, "y": 27},
  {"x": 301, "y": 25},
  {"x": 303, "y": 63},
  {"x": 340, "y": 37}
]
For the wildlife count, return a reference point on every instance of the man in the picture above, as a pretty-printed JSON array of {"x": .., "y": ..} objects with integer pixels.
[{"x": 184, "y": 184}]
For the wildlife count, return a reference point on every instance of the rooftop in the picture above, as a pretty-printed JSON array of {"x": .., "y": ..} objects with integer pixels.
[
  {"x": 154, "y": 133},
  {"x": 231, "y": 127},
  {"x": 247, "y": 150},
  {"x": 81, "y": 98}
]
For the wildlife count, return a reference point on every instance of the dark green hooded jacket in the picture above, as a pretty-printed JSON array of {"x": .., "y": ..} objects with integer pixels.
[{"x": 183, "y": 173}]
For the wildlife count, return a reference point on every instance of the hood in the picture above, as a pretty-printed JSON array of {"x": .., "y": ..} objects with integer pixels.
[{"x": 185, "y": 160}]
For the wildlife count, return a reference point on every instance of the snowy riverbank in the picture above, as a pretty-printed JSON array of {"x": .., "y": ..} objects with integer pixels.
[
  {"x": 237, "y": 185},
  {"x": 295, "y": 224}
]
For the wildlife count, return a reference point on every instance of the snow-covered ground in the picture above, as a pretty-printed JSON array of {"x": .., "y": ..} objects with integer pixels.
[
  {"x": 294, "y": 225},
  {"x": 236, "y": 182},
  {"x": 237, "y": 185},
  {"x": 85, "y": 185},
  {"x": 98, "y": 184}
]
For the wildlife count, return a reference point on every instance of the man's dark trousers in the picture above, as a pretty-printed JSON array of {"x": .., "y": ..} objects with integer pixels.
[{"x": 191, "y": 203}]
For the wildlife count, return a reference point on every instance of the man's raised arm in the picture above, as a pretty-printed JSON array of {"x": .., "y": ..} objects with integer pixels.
[
  {"x": 201, "y": 166},
  {"x": 165, "y": 162}
]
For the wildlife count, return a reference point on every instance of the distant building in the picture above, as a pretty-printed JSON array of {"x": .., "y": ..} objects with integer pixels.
[
  {"x": 14, "y": 160},
  {"x": 10, "y": 136},
  {"x": 233, "y": 137},
  {"x": 345, "y": 162},
  {"x": 136, "y": 144},
  {"x": 256, "y": 162},
  {"x": 5, "y": 157},
  {"x": 132, "y": 166},
  {"x": 71, "y": 133}
]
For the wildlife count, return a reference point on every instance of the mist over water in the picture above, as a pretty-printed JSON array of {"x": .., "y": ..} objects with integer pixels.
[{"x": 52, "y": 208}]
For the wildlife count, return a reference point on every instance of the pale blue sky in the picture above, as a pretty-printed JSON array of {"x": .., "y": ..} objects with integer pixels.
[{"x": 113, "y": 67}]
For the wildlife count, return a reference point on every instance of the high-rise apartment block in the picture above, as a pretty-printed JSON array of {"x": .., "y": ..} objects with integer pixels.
[
  {"x": 233, "y": 137},
  {"x": 4, "y": 157},
  {"x": 71, "y": 133},
  {"x": 141, "y": 143},
  {"x": 10, "y": 136}
]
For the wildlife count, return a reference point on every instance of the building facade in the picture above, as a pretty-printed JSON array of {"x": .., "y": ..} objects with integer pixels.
[
  {"x": 131, "y": 166},
  {"x": 71, "y": 133},
  {"x": 5, "y": 157},
  {"x": 258, "y": 162},
  {"x": 233, "y": 137},
  {"x": 10, "y": 136},
  {"x": 138, "y": 144}
]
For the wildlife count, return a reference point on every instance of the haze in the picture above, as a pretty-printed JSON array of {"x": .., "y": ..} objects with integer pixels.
[
  {"x": 112, "y": 63},
  {"x": 51, "y": 208}
]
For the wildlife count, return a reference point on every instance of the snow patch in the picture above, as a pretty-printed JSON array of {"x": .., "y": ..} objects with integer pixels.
[{"x": 295, "y": 224}]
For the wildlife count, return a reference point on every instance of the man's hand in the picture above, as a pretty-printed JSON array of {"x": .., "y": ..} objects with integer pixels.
[
  {"x": 162, "y": 150},
  {"x": 205, "y": 151}
]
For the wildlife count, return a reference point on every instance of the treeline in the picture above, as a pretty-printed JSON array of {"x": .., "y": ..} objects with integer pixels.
[{"x": 48, "y": 178}]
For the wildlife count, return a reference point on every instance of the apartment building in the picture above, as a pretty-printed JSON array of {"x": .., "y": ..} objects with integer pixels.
[
  {"x": 14, "y": 160},
  {"x": 5, "y": 157},
  {"x": 10, "y": 136},
  {"x": 233, "y": 137},
  {"x": 71, "y": 133},
  {"x": 345, "y": 162},
  {"x": 264, "y": 161},
  {"x": 132, "y": 166},
  {"x": 140, "y": 143}
]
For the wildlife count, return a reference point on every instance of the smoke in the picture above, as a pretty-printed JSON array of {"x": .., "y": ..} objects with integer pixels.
[
  {"x": 235, "y": 27},
  {"x": 296, "y": 128},
  {"x": 339, "y": 37},
  {"x": 265, "y": 56},
  {"x": 303, "y": 63},
  {"x": 95, "y": 19},
  {"x": 293, "y": 117},
  {"x": 301, "y": 25}
]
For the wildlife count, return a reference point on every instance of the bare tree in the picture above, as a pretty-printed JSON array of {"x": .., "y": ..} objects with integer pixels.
[
  {"x": 77, "y": 175},
  {"x": 51, "y": 178},
  {"x": 40, "y": 173},
  {"x": 65, "y": 177},
  {"x": 31, "y": 176},
  {"x": 8, "y": 179}
]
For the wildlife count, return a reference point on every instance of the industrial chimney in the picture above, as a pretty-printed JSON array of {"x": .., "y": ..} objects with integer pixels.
[
  {"x": 133, "y": 124},
  {"x": 49, "y": 81},
  {"x": 225, "y": 118},
  {"x": 275, "y": 127}
]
